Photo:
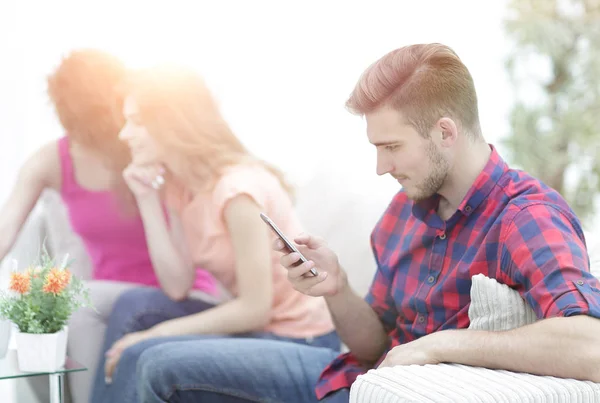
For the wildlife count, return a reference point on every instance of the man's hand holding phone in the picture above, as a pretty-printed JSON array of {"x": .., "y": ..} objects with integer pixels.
[{"x": 331, "y": 278}]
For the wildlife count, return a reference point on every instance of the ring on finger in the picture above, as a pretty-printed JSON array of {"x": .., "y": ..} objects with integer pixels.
[{"x": 158, "y": 182}]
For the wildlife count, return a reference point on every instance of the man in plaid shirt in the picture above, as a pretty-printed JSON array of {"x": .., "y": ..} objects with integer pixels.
[{"x": 461, "y": 211}]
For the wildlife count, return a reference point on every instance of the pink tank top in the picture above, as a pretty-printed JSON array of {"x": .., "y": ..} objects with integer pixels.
[{"x": 115, "y": 242}]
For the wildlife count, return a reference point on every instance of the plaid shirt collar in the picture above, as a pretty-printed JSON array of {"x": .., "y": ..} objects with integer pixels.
[{"x": 426, "y": 210}]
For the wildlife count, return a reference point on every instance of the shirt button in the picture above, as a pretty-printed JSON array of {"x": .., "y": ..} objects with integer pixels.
[
  {"x": 580, "y": 282},
  {"x": 430, "y": 279},
  {"x": 421, "y": 319},
  {"x": 443, "y": 236},
  {"x": 468, "y": 209}
]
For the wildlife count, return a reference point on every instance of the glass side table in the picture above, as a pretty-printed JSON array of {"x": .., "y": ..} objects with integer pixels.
[{"x": 9, "y": 369}]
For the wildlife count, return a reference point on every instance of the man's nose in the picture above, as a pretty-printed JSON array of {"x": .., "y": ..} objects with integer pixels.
[{"x": 383, "y": 167}]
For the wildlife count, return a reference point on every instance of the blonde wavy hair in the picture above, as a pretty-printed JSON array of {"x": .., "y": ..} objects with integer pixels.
[{"x": 180, "y": 113}]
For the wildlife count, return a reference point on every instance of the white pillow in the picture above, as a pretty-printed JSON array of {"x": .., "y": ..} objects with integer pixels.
[{"x": 496, "y": 306}]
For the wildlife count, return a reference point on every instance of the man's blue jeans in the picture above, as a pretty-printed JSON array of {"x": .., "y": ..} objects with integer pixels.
[
  {"x": 233, "y": 371},
  {"x": 140, "y": 309}
]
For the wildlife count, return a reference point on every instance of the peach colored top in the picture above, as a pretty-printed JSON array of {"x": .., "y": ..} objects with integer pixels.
[{"x": 293, "y": 313}]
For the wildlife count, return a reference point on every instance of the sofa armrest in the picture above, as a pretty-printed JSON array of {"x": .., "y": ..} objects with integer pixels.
[
  {"x": 461, "y": 383},
  {"x": 29, "y": 242}
]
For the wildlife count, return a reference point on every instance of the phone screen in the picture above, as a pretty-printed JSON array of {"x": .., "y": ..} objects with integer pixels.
[{"x": 291, "y": 247}]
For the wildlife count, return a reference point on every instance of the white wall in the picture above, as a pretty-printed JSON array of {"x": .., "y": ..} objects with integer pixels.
[{"x": 282, "y": 70}]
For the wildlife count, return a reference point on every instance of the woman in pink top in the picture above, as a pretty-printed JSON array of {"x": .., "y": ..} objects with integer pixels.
[
  {"x": 85, "y": 167},
  {"x": 179, "y": 140}
]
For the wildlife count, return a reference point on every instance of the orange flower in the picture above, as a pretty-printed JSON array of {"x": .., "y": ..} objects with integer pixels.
[
  {"x": 56, "y": 281},
  {"x": 20, "y": 282},
  {"x": 67, "y": 276}
]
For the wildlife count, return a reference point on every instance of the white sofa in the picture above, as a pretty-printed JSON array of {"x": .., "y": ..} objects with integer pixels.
[{"x": 343, "y": 212}]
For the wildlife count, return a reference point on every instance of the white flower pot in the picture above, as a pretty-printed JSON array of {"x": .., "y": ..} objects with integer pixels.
[
  {"x": 41, "y": 352},
  {"x": 5, "y": 327}
]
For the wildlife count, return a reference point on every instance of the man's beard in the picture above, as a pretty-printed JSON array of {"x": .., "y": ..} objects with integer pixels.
[{"x": 436, "y": 177}]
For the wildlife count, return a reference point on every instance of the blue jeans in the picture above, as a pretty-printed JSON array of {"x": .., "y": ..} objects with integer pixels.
[
  {"x": 136, "y": 309},
  {"x": 140, "y": 309},
  {"x": 233, "y": 371}
]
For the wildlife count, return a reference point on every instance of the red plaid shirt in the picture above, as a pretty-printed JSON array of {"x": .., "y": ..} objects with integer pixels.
[{"x": 509, "y": 227}]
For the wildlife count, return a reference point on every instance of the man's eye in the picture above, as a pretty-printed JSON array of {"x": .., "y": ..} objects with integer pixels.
[{"x": 391, "y": 147}]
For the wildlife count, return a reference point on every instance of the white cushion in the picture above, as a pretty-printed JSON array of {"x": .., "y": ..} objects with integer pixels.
[
  {"x": 460, "y": 383},
  {"x": 496, "y": 306},
  {"x": 493, "y": 307}
]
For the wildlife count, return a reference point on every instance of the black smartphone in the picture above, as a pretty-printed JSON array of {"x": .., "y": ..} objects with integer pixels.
[{"x": 291, "y": 247}]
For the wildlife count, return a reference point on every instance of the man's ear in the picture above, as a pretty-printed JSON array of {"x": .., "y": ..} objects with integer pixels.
[{"x": 448, "y": 131}]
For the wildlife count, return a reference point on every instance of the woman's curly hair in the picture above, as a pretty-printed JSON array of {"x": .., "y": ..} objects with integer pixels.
[{"x": 84, "y": 91}]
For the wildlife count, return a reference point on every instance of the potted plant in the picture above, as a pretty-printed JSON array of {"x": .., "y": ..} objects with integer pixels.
[{"x": 40, "y": 302}]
